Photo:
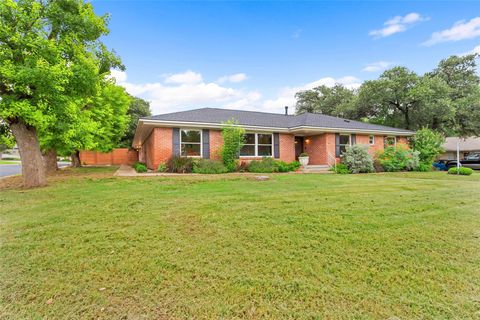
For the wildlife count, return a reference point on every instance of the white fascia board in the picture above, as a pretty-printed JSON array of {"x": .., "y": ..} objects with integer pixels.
[{"x": 345, "y": 130}]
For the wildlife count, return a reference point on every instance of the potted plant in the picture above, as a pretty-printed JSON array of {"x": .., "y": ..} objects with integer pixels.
[{"x": 303, "y": 159}]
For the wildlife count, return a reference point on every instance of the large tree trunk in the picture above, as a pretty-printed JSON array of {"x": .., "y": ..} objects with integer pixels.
[
  {"x": 33, "y": 169},
  {"x": 76, "y": 159},
  {"x": 50, "y": 160}
]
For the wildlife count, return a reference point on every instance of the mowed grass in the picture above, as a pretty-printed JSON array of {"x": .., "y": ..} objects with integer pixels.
[{"x": 92, "y": 246}]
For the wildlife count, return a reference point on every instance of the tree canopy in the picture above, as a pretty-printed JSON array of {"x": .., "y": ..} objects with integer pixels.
[
  {"x": 138, "y": 108},
  {"x": 446, "y": 99},
  {"x": 52, "y": 69}
]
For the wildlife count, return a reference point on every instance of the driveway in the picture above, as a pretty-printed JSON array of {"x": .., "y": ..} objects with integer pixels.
[{"x": 12, "y": 169}]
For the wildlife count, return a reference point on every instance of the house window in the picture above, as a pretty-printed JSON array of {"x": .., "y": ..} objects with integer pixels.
[
  {"x": 257, "y": 145},
  {"x": 371, "y": 140},
  {"x": 344, "y": 141},
  {"x": 390, "y": 141},
  {"x": 191, "y": 143}
]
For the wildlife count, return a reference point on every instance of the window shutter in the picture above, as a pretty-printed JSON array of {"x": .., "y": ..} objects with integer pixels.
[
  {"x": 205, "y": 144},
  {"x": 337, "y": 145},
  {"x": 276, "y": 145},
  {"x": 354, "y": 139},
  {"x": 176, "y": 142}
]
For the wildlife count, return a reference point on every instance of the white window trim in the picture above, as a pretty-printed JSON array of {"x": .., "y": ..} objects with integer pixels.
[
  {"x": 257, "y": 145},
  {"x": 394, "y": 140},
  {"x": 201, "y": 142},
  {"x": 373, "y": 140}
]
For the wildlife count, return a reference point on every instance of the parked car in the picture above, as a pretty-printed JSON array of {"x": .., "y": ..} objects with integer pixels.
[
  {"x": 441, "y": 165},
  {"x": 471, "y": 161}
]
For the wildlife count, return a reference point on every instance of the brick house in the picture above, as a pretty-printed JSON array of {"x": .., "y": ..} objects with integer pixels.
[{"x": 197, "y": 133}]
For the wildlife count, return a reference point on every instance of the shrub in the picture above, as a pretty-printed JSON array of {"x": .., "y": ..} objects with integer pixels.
[
  {"x": 423, "y": 167},
  {"x": 428, "y": 143},
  {"x": 162, "y": 167},
  {"x": 461, "y": 171},
  {"x": 397, "y": 158},
  {"x": 412, "y": 161},
  {"x": 340, "y": 168},
  {"x": 206, "y": 166},
  {"x": 282, "y": 166},
  {"x": 303, "y": 154},
  {"x": 233, "y": 139},
  {"x": 357, "y": 159},
  {"x": 242, "y": 166},
  {"x": 178, "y": 164},
  {"x": 140, "y": 167},
  {"x": 266, "y": 165}
]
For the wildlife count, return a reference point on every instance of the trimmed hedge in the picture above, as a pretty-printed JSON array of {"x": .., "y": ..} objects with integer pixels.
[
  {"x": 206, "y": 166},
  {"x": 461, "y": 171},
  {"x": 269, "y": 165}
]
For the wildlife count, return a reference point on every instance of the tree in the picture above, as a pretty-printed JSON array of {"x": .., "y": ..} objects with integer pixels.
[
  {"x": 335, "y": 101},
  {"x": 138, "y": 108},
  {"x": 429, "y": 144},
  {"x": 460, "y": 75},
  {"x": 390, "y": 98},
  {"x": 233, "y": 139},
  {"x": 51, "y": 63}
]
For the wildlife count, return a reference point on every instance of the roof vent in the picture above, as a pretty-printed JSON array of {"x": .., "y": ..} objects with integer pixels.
[
  {"x": 286, "y": 110},
  {"x": 346, "y": 120}
]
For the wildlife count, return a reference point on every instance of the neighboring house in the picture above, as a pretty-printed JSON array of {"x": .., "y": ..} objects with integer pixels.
[
  {"x": 467, "y": 146},
  {"x": 197, "y": 133}
]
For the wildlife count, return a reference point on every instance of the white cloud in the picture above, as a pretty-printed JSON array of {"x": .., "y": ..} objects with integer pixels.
[
  {"x": 234, "y": 78},
  {"x": 286, "y": 96},
  {"x": 167, "y": 96},
  {"x": 475, "y": 50},
  {"x": 119, "y": 76},
  {"x": 397, "y": 24},
  {"x": 185, "y": 91},
  {"x": 461, "y": 30},
  {"x": 187, "y": 77},
  {"x": 377, "y": 66}
]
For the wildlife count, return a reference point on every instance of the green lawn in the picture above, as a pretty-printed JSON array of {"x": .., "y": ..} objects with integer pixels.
[
  {"x": 230, "y": 247},
  {"x": 9, "y": 162}
]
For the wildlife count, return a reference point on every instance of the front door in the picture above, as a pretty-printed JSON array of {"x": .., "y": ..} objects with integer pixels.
[{"x": 298, "y": 146}]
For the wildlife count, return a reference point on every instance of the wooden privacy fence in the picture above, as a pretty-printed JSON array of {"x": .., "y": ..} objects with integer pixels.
[{"x": 115, "y": 157}]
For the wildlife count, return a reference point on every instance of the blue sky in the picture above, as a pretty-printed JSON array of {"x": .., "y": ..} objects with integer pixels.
[{"x": 256, "y": 55}]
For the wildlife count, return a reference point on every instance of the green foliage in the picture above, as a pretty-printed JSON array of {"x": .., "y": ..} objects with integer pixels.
[
  {"x": 397, "y": 158},
  {"x": 335, "y": 101},
  {"x": 340, "y": 168},
  {"x": 207, "y": 166},
  {"x": 179, "y": 164},
  {"x": 446, "y": 100},
  {"x": 412, "y": 162},
  {"x": 282, "y": 166},
  {"x": 162, "y": 167},
  {"x": 429, "y": 144},
  {"x": 424, "y": 167},
  {"x": 266, "y": 165},
  {"x": 137, "y": 109},
  {"x": 140, "y": 167},
  {"x": 7, "y": 141},
  {"x": 357, "y": 159},
  {"x": 461, "y": 171},
  {"x": 303, "y": 154},
  {"x": 233, "y": 140}
]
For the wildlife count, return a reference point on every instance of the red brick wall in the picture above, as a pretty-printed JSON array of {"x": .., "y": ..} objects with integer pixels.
[
  {"x": 116, "y": 157},
  {"x": 216, "y": 142},
  {"x": 319, "y": 147},
  {"x": 372, "y": 149},
  {"x": 158, "y": 147},
  {"x": 287, "y": 147}
]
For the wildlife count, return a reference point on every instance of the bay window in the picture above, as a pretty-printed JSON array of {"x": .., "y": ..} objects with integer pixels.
[
  {"x": 191, "y": 143},
  {"x": 257, "y": 145}
]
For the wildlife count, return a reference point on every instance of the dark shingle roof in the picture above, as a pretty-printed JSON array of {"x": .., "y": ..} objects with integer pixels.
[{"x": 264, "y": 119}]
